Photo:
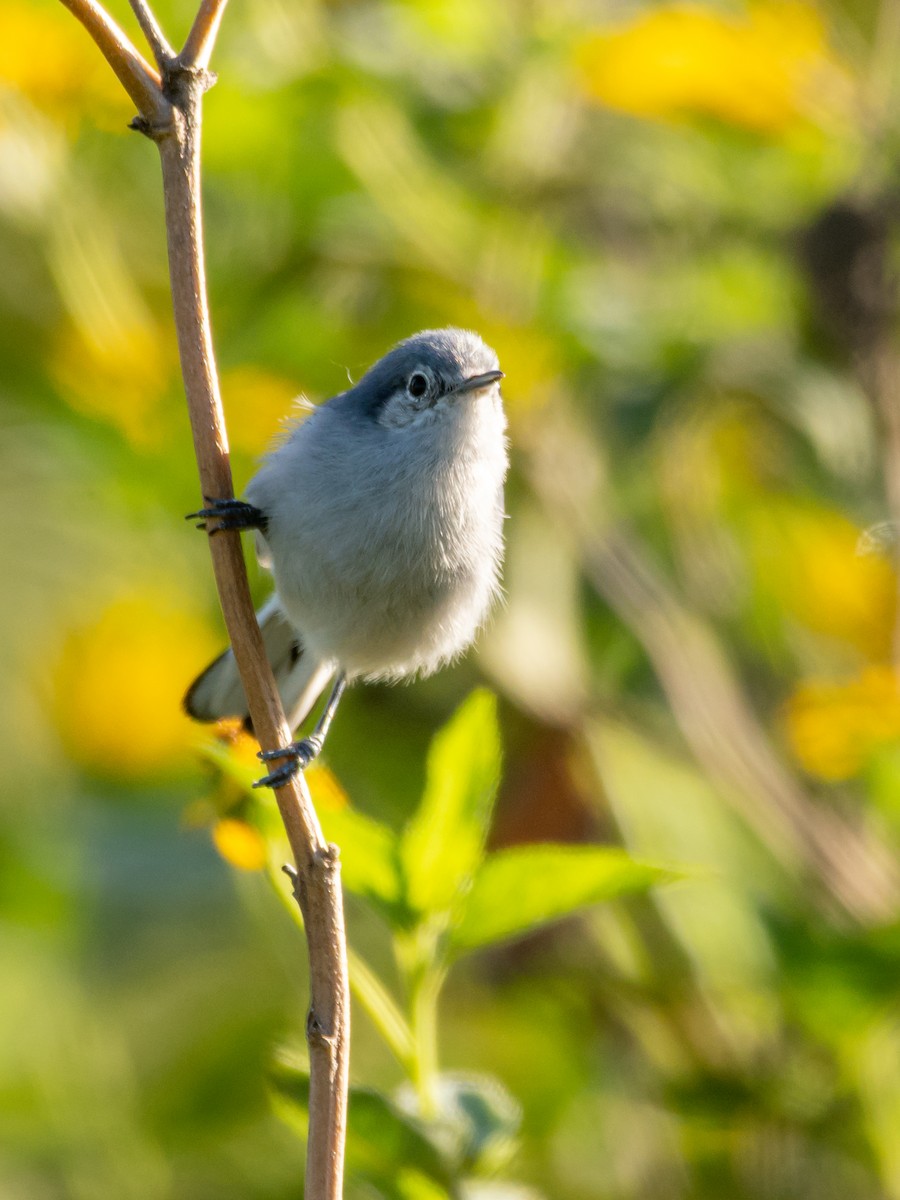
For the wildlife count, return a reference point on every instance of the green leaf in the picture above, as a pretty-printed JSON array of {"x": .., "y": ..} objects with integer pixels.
[
  {"x": 382, "y": 1009},
  {"x": 385, "y": 1146},
  {"x": 477, "y": 1121},
  {"x": 518, "y": 890},
  {"x": 382, "y": 1141},
  {"x": 370, "y": 851},
  {"x": 444, "y": 842},
  {"x": 370, "y": 859}
]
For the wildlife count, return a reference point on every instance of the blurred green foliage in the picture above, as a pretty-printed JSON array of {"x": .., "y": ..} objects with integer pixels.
[{"x": 677, "y": 224}]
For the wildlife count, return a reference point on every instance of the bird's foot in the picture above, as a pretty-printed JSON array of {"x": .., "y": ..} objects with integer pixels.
[
  {"x": 229, "y": 514},
  {"x": 299, "y": 755}
]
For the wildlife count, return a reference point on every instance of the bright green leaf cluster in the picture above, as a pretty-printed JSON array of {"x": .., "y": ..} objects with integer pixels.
[
  {"x": 436, "y": 875},
  {"x": 442, "y": 895},
  {"x": 444, "y": 842}
]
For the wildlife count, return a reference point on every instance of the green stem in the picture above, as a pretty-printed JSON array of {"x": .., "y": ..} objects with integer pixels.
[
  {"x": 387, "y": 1018},
  {"x": 424, "y": 992}
]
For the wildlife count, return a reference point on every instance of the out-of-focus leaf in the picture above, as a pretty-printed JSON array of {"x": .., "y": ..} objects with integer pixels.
[
  {"x": 444, "y": 842},
  {"x": 477, "y": 1120},
  {"x": 383, "y": 1141},
  {"x": 385, "y": 1146},
  {"x": 479, "y": 1189},
  {"x": 235, "y": 757},
  {"x": 518, "y": 890},
  {"x": 370, "y": 864},
  {"x": 382, "y": 1009},
  {"x": 410, "y": 1184},
  {"x": 369, "y": 857}
]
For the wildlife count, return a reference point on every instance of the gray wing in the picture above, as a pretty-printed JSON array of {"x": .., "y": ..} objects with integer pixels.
[{"x": 300, "y": 677}]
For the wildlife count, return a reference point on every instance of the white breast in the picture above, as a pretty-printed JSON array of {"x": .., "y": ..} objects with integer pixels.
[{"x": 386, "y": 543}]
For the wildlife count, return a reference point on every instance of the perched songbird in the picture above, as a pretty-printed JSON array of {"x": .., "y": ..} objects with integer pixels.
[{"x": 381, "y": 519}]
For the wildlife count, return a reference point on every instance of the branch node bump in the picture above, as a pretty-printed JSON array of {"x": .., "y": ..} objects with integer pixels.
[
  {"x": 298, "y": 887},
  {"x": 316, "y": 1033},
  {"x": 154, "y": 130},
  {"x": 181, "y": 78},
  {"x": 328, "y": 859}
]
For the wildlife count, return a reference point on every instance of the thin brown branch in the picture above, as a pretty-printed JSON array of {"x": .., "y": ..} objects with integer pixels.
[
  {"x": 137, "y": 77},
  {"x": 156, "y": 39},
  {"x": 318, "y": 873},
  {"x": 173, "y": 122},
  {"x": 198, "y": 48}
]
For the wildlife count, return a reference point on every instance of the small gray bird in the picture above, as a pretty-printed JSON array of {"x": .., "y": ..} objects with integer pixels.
[{"x": 381, "y": 518}]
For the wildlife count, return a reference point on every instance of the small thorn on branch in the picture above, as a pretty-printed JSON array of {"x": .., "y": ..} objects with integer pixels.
[{"x": 297, "y": 886}]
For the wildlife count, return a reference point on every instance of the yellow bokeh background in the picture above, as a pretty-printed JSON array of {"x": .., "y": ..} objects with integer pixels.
[
  {"x": 676, "y": 223},
  {"x": 808, "y": 562},
  {"x": 119, "y": 680},
  {"x": 836, "y": 727},
  {"x": 763, "y": 71}
]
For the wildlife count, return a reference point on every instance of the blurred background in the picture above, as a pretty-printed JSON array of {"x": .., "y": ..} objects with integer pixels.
[{"x": 678, "y": 226}]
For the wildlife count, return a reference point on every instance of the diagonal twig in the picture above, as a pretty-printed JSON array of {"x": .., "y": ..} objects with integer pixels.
[
  {"x": 156, "y": 39},
  {"x": 317, "y": 880},
  {"x": 137, "y": 77},
  {"x": 173, "y": 121},
  {"x": 198, "y": 47}
]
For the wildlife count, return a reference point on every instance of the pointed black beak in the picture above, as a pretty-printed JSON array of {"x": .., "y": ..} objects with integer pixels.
[{"x": 476, "y": 382}]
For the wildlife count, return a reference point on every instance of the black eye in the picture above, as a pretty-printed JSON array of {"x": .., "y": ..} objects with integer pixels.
[{"x": 418, "y": 385}]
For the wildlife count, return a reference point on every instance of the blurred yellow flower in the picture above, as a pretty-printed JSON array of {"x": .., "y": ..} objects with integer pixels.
[
  {"x": 763, "y": 72},
  {"x": 256, "y": 403},
  {"x": 119, "y": 681},
  {"x": 120, "y": 379},
  {"x": 806, "y": 560},
  {"x": 242, "y": 746},
  {"x": 240, "y": 844},
  {"x": 47, "y": 57},
  {"x": 834, "y": 728},
  {"x": 532, "y": 361},
  {"x": 324, "y": 788}
]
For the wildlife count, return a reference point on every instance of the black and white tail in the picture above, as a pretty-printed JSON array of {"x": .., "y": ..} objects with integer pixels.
[{"x": 300, "y": 677}]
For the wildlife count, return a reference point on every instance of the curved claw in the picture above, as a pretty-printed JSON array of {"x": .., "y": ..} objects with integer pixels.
[
  {"x": 304, "y": 751},
  {"x": 229, "y": 514},
  {"x": 300, "y": 755},
  {"x": 277, "y": 779}
]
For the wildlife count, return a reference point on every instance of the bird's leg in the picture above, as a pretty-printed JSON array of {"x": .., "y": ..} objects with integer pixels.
[
  {"x": 230, "y": 514},
  {"x": 301, "y": 754}
]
